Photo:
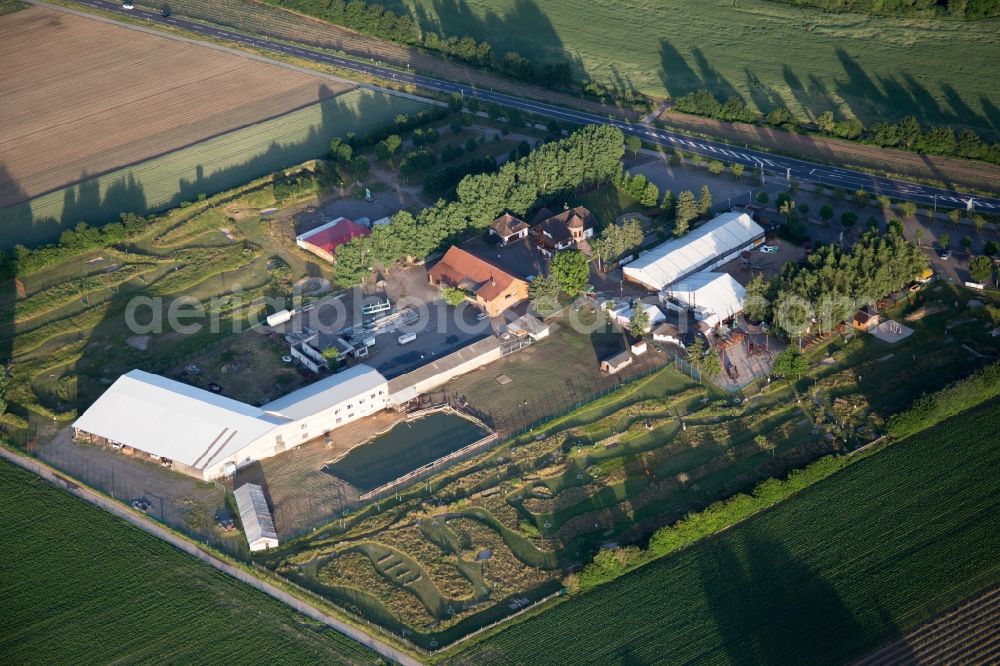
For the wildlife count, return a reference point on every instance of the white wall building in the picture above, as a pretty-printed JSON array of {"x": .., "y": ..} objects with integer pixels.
[
  {"x": 712, "y": 244},
  {"x": 258, "y": 526},
  {"x": 200, "y": 433},
  {"x": 712, "y": 297},
  {"x": 623, "y": 315}
]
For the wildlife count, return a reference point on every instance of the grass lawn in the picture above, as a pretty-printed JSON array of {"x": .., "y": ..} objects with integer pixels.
[
  {"x": 607, "y": 203},
  {"x": 80, "y": 586},
  {"x": 822, "y": 578},
  {"x": 206, "y": 168},
  {"x": 769, "y": 53}
]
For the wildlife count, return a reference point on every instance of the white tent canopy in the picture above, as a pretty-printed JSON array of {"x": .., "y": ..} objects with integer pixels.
[
  {"x": 712, "y": 244},
  {"x": 713, "y": 297}
]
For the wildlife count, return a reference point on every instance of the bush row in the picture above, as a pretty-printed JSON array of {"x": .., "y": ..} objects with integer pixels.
[{"x": 932, "y": 408}]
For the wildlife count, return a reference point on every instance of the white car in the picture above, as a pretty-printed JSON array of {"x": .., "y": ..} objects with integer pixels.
[
  {"x": 128, "y": 5},
  {"x": 768, "y": 249}
]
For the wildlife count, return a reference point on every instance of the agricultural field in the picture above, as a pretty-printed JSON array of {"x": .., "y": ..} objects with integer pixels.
[
  {"x": 512, "y": 522},
  {"x": 874, "y": 68},
  {"x": 108, "y": 96},
  {"x": 204, "y": 121},
  {"x": 823, "y": 578},
  {"x": 965, "y": 633},
  {"x": 80, "y": 585}
]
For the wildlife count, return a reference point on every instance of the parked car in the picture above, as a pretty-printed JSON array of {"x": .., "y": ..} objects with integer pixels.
[
  {"x": 165, "y": 11},
  {"x": 768, "y": 249},
  {"x": 128, "y": 5},
  {"x": 945, "y": 254}
]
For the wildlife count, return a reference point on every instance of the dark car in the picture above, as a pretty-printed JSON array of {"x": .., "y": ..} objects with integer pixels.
[
  {"x": 945, "y": 254},
  {"x": 165, "y": 11}
]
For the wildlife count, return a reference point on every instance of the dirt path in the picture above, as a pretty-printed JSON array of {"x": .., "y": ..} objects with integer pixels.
[{"x": 150, "y": 527}]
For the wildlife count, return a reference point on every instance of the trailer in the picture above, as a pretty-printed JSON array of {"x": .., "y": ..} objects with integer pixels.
[
  {"x": 279, "y": 317},
  {"x": 408, "y": 337}
]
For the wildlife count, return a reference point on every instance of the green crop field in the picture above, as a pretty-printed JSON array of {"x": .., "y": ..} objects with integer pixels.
[
  {"x": 822, "y": 578},
  {"x": 771, "y": 54},
  {"x": 80, "y": 586},
  {"x": 206, "y": 168}
]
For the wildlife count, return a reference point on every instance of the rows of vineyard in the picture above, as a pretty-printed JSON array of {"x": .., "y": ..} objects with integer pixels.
[
  {"x": 80, "y": 586},
  {"x": 822, "y": 578}
]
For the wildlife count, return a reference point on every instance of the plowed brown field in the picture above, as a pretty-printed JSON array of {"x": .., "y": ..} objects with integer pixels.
[{"x": 83, "y": 97}]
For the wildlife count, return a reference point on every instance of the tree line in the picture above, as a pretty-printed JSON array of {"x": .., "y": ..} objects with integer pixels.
[
  {"x": 833, "y": 283},
  {"x": 958, "y": 9},
  {"x": 590, "y": 155},
  {"x": 907, "y": 134}
]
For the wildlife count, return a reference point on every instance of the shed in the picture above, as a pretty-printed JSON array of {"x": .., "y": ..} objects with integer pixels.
[
  {"x": 866, "y": 318},
  {"x": 258, "y": 526},
  {"x": 529, "y": 325},
  {"x": 616, "y": 363},
  {"x": 668, "y": 333},
  {"x": 623, "y": 314}
]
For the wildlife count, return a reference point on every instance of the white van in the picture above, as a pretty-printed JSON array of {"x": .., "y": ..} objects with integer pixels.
[{"x": 409, "y": 337}]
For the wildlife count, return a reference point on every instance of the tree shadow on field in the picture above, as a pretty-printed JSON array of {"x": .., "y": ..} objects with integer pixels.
[
  {"x": 770, "y": 608},
  {"x": 524, "y": 28},
  {"x": 95, "y": 202},
  {"x": 677, "y": 75}
]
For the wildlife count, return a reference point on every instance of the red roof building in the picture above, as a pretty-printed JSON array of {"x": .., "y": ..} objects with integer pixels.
[
  {"x": 491, "y": 288},
  {"x": 324, "y": 240}
]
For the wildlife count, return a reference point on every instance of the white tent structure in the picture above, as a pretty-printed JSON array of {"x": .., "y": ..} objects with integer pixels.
[
  {"x": 712, "y": 297},
  {"x": 258, "y": 526},
  {"x": 712, "y": 244}
]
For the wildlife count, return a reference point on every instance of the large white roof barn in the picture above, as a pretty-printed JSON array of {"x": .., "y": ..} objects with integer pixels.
[
  {"x": 713, "y": 297},
  {"x": 258, "y": 526},
  {"x": 712, "y": 244},
  {"x": 206, "y": 435},
  {"x": 172, "y": 420}
]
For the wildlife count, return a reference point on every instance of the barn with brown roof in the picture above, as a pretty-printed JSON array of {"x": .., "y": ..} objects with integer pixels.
[{"x": 491, "y": 288}]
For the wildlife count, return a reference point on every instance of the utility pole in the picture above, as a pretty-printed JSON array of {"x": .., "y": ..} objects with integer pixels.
[{"x": 762, "y": 174}]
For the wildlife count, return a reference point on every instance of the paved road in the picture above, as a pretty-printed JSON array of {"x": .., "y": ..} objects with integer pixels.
[
  {"x": 772, "y": 166},
  {"x": 148, "y": 525}
]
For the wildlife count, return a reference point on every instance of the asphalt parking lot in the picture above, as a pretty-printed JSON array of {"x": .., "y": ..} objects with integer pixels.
[{"x": 439, "y": 327}]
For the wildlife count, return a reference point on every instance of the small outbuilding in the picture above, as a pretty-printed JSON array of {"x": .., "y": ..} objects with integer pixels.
[
  {"x": 866, "y": 318},
  {"x": 616, "y": 363},
  {"x": 258, "y": 526},
  {"x": 623, "y": 314},
  {"x": 668, "y": 333},
  {"x": 530, "y": 326},
  {"x": 509, "y": 228}
]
